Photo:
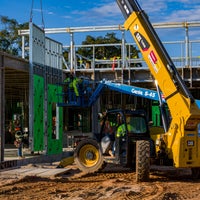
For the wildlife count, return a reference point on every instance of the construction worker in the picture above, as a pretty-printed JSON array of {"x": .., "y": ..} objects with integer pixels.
[
  {"x": 69, "y": 80},
  {"x": 129, "y": 125},
  {"x": 121, "y": 130},
  {"x": 69, "y": 88},
  {"x": 73, "y": 88},
  {"x": 86, "y": 90},
  {"x": 18, "y": 136},
  {"x": 108, "y": 130},
  {"x": 120, "y": 140},
  {"x": 75, "y": 84}
]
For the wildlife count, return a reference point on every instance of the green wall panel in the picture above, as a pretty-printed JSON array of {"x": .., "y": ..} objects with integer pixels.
[
  {"x": 156, "y": 115},
  {"x": 38, "y": 122},
  {"x": 55, "y": 136}
]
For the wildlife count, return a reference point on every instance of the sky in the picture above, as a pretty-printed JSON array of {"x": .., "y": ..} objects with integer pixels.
[{"x": 81, "y": 13}]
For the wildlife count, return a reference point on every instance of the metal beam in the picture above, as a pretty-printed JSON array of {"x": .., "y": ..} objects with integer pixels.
[
  {"x": 110, "y": 28},
  {"x": 177, "y": 24}
]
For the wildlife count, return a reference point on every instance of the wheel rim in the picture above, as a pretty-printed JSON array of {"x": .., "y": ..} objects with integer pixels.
[{"x": 89, "y": 155}]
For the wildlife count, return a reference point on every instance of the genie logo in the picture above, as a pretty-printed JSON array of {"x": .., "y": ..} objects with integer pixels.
[
  {"x": 138, "y": 92},
  {"x": 144, "y": 93}
]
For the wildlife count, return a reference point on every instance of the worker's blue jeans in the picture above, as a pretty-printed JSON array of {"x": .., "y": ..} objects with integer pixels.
[
  {"x": 19, "y": 151},
  {"x": 71, "y": 95}
]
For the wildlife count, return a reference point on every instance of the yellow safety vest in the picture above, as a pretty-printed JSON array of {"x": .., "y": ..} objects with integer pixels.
[{"x": 121, "y": 131}]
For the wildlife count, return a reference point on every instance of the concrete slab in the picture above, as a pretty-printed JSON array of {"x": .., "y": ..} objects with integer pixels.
[
  {"x": 11, "y": 160},
  {"x": 34, "y": 171}
]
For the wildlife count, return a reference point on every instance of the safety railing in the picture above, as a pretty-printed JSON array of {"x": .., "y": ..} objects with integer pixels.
[{"x": 182, "y": 54}]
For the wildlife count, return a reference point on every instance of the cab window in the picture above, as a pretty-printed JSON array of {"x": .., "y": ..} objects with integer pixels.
[{"x": 136, "y": 124}]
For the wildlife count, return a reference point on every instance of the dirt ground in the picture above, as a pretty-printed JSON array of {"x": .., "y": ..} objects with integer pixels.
[{"x": 113, "y": 183}]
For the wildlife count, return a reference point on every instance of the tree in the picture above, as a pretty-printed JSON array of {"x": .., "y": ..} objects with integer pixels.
[
  {"x": 105, "y": 52},
  {"x": 101, "y": 52},
  {"x": 10, "y": 41}
]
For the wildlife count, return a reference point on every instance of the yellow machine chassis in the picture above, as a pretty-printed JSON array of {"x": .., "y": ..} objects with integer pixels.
[{"x": 183, "y": 136}]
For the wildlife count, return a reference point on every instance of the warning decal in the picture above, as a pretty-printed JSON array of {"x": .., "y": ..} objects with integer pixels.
[{"x": 153, "y": 57}]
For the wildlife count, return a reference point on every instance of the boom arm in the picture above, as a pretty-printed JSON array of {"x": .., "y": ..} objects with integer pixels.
[
  {"x": 125, "y": 89},
  {"x": 183, "y": 136},
  {"x": 155, "y": 55}
]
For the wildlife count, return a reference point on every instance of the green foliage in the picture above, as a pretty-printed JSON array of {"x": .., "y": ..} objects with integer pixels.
[
  {"x": 101, "y": 52},
  {"x": 105, "y": 52},
  {"x": 10, "y": 41}
]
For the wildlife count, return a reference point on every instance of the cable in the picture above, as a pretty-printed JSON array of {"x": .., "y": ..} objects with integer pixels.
[
  {"x": 43, "y": 26},
  {"x": 31, "y": 13}
]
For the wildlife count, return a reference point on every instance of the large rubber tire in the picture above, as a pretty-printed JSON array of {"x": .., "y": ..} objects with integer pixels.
[
  {"x": 195, "y": 173},
  {"x": 88, "y": 156},
  {"x": 142, "y": 160}
]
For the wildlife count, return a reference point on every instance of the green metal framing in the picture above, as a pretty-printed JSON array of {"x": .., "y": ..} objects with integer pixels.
[
  {"x": 55, "y": 144},
  {"x": 38, "y": 122}
]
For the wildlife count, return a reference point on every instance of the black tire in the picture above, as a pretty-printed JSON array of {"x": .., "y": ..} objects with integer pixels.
[
  {"x": 195, "y": 173},
  {"x": 88, "y": 156},
  {"x": 142, "y": 160}
]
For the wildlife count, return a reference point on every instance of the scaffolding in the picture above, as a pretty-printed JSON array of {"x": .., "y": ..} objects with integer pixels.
[{"x": 126, "y": 69}]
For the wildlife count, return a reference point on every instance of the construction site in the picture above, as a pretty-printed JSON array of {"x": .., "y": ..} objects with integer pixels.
[{"x": 60, "y": 107}]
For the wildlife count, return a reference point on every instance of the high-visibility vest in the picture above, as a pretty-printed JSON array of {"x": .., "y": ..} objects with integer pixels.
[
  {"x": 121, "y": 131},
  {"x": 75, "y": 83},
  {"x": 70, "y": 82}
]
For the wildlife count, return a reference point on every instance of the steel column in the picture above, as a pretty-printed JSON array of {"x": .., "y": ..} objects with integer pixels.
[
  {"x": 71, "y": 51},
  {"x": 123, "y": 55},
  {"x": 2, "y": 107},
  {"x": 23, "y": 46},
  {"x": 186, "y": 47}
]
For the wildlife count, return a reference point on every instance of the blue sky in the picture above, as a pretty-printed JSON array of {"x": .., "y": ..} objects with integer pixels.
[{"x": 72, "y": 13}]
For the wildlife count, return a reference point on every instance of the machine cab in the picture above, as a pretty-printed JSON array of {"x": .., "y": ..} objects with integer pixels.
[
  {"x": 120, "y": 129},
  {"x": 133, "y": 124}
]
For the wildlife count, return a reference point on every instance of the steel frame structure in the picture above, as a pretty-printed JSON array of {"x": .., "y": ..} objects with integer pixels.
[{"x": 72, "y": 30}]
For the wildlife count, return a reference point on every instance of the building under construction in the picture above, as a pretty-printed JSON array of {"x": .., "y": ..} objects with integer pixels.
[{"x": 30, "y": 90}]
